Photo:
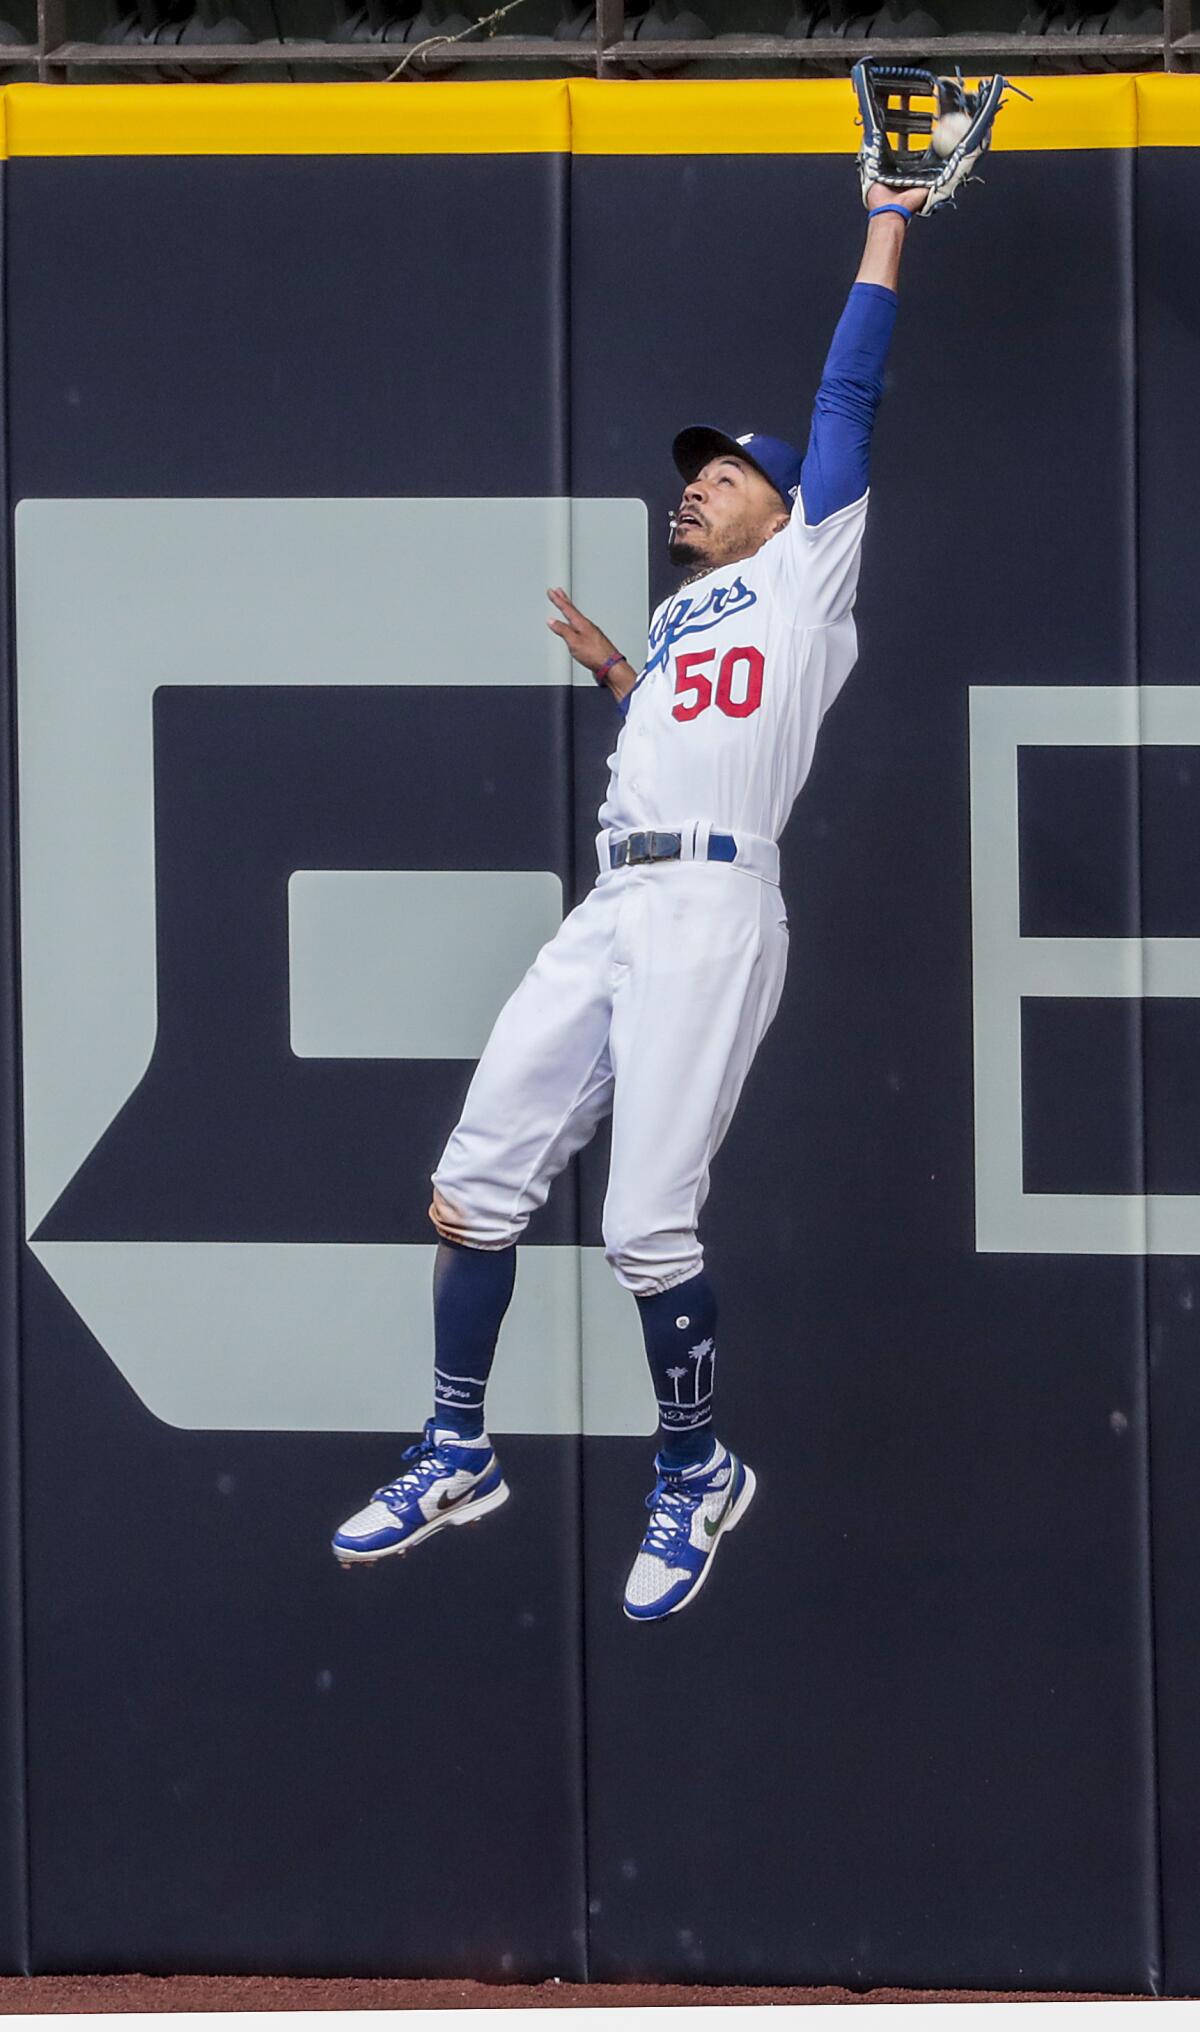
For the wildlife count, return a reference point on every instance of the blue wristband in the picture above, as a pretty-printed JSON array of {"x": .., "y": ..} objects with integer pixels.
[
  {"x": 601, "y": 675},
  {"x": 903, "y": 210}
]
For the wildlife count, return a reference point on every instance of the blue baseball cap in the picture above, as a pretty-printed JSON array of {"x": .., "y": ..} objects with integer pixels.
[{"x": 778, "y": 462}]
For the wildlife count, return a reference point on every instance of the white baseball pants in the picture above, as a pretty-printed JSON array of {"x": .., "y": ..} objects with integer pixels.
[{"x": 650, "y": 1002}]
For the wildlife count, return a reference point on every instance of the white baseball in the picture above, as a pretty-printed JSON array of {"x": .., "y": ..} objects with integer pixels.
[{"x": 948, "y": 131}]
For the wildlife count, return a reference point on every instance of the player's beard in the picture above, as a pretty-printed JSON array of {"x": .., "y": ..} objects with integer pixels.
[
  {"x": 704, "y": 550},
  {"x": 681, "y": 550},
  {"x": 689, "y": 549}
]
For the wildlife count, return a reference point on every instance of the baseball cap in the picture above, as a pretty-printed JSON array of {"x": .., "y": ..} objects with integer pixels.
[{"x": 778, "y": 462}]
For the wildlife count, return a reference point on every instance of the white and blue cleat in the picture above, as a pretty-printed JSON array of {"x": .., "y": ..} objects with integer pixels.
[
  {"x": 691, "y": 1509},
  {"x": 448, "y": 1480}
]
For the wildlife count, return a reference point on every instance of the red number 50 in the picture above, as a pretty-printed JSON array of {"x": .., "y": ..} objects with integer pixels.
[{"x": 739, "y": 683}]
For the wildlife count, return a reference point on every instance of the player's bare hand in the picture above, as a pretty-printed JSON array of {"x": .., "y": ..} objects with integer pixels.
[
  {"x": 582, "y": 637},
  {"x": 882, "y": 194}
]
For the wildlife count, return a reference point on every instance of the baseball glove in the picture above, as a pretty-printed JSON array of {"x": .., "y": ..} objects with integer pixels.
[{"x": 900, "y": 104}]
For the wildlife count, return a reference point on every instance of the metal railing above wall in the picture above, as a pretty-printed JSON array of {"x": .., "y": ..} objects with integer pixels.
[{"x": 825, "y": 40}]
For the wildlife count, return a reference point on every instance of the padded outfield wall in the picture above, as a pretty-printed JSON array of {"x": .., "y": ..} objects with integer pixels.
[{"x": 311, "y": 391}]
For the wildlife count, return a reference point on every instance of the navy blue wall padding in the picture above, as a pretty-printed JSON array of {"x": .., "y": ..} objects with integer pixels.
[
  {"x": 1168, "y": 299},
  {"x": 241, "y": 1761},
  {"x": 910, "y": 1733},
  {"x": 14, "y": 1926},
  {"x": 909, "y": 1741}
]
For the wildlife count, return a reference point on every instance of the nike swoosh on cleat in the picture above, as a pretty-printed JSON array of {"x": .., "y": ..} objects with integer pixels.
[
  {"x": 713, "y": 1528},
  {"x": 452, "y": 1502}
]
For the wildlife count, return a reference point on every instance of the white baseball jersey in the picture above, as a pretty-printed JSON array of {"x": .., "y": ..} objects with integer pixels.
[
  {"x": 741, "y": 666},
  {"x": 654, "y": 996}
]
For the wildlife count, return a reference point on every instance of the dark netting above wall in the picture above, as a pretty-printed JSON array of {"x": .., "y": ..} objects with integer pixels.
[{"x": 130, "y": 40}]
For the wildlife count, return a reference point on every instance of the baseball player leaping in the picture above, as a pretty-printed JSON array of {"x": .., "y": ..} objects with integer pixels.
[{"x": 653, "y": 997}]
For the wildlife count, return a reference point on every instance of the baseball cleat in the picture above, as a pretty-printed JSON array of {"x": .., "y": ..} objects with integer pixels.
[
  {"x": 690, "y": 1510},
  {"x": 448, "y": 1481}
]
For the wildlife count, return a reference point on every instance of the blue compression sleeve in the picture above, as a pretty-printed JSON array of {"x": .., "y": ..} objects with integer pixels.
[{"x": 839, "y": 445}]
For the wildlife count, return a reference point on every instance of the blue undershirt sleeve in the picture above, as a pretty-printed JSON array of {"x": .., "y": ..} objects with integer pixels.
[{"x": 835, "y": 468}]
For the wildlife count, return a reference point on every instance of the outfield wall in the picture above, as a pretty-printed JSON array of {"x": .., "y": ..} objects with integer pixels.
[{"x": 311, "y": 391}]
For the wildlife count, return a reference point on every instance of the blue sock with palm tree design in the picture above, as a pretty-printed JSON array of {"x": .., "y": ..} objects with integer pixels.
[
  {"x": 471, "y": 1291},
  {"x": 680, "y": 1327}
]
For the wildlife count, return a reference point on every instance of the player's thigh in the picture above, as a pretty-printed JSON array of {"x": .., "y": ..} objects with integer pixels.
[
  {"x": 705, "y": 985},
  {"x": 554, "y": 1026},
  {"x": 764, "y": 990},
  {"x": 544, "y": 1079}
]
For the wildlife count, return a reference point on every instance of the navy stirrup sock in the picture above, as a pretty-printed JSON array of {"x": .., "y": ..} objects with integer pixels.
[
  {"x": 680, "y": 1328},
  {"x": 471, "y": 1291}
]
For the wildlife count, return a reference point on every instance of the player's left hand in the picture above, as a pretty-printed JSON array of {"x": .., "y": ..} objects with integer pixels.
[
  {"x": 585, "y": 641},
  {"x": 881, "y": 194}
]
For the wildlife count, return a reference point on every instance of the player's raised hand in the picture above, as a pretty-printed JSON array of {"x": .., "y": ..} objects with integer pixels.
[
  {"x": 582, "y": 637},
  {"x": 881, "y": 194}
]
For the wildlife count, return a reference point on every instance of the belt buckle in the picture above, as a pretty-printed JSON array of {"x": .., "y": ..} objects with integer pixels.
[{"x": 639, "y": 848}]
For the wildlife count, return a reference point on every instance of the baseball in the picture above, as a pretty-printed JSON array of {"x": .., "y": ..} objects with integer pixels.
[{"x": 948, "y": 131}]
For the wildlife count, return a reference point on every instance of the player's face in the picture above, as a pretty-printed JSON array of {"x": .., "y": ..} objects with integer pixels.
[{"x": 728, "y": 511}]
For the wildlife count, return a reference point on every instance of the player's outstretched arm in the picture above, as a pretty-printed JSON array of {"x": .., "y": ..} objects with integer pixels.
[
  {"x": 589, "y": 646},
  {"x": 886, "y": 235},
  {"x": 836, "y": 463},
  {"x": 827, "y": 518}
]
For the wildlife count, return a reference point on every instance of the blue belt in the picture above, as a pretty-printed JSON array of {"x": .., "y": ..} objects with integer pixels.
[{"x": 637, "y": 848}]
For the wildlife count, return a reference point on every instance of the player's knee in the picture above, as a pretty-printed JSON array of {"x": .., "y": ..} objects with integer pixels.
[
  {"x": 471, "y": 1227},
  {"x": 454, "y": 1222},
  {"x": 646, "y": 1260}
]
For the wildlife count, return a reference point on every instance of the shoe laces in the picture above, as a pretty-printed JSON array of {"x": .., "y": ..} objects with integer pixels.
[
  {"x": 672, "y": 1506},
  {"x": 429, "y": 1464}
]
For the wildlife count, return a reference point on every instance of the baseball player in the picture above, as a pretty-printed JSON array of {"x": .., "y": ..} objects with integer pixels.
[{"x": 651, "y": 1000}]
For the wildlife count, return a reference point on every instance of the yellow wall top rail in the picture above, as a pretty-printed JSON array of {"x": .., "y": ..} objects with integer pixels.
[{"x": 583, "y": 116}]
